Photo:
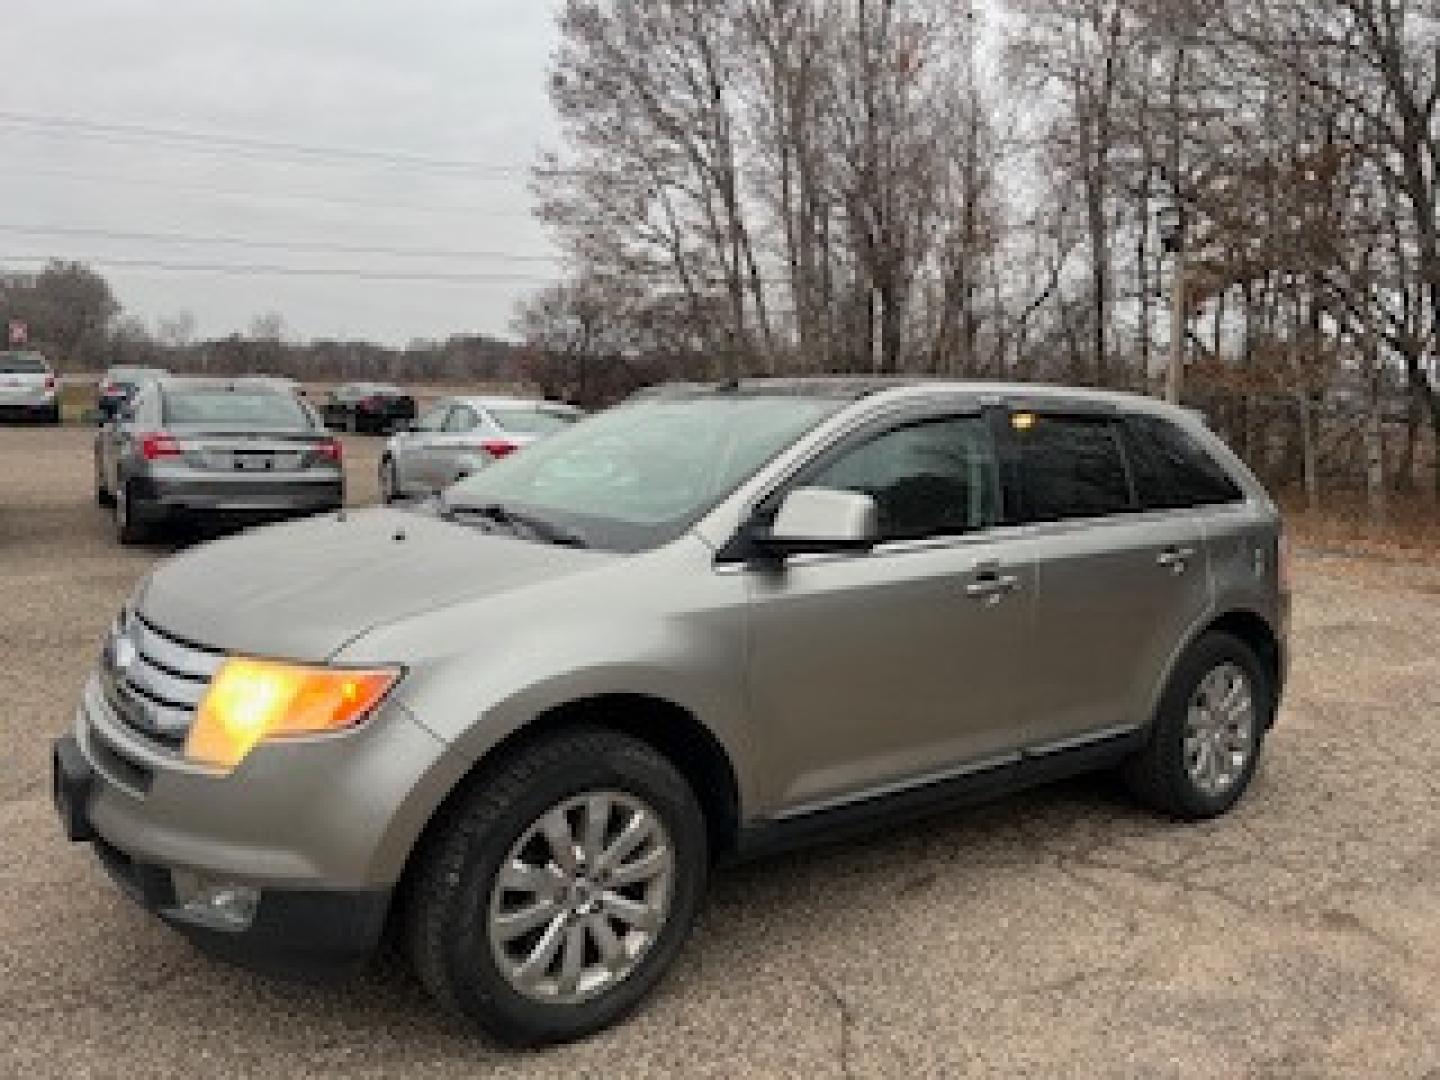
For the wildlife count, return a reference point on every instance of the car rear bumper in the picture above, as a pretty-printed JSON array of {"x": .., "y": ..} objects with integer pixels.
[
  {"x": 24, "y": 405},
  {"x": 292, "y": 931},
  {"x": 158, "y": 496}
]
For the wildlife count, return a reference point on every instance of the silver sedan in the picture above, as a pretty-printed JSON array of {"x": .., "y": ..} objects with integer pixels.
[
  {"x": 231, "y": 449},
  {"x": 459, "y": 436}
]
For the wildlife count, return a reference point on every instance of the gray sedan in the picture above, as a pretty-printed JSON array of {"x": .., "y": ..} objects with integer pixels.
[
  {"x": 230, "y": 449},
  {"x": 460, "y": 436}
]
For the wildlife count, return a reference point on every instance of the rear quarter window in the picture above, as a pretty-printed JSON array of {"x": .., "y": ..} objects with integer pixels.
[{"x": 1172, "y": 470}]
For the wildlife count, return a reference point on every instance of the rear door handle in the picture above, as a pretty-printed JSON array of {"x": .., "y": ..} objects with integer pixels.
[
  {"x": 1175, "y": 558},
  {"x": 990, "y": 586}
]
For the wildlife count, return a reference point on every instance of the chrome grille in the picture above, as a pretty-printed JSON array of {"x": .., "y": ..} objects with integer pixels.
[{"x": 154, "y": 682}]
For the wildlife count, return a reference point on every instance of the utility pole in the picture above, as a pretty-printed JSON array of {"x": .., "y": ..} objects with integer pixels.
[
  {"x": 1174, "y": 238},
  {"x": 1175, "y": 371}
]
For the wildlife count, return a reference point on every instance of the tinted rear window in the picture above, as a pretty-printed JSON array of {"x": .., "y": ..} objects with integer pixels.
[
  {"x": 533, "y": 421},
  {"x": 22, "y": 364},
  {"x": 1070, "y": 467},
  {"x": 258, "y": 409},
  {"x": 1172, "y": 470}
]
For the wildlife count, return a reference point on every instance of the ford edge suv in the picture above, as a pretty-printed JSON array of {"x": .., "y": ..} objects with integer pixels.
[{"x": 515, "y": 727}]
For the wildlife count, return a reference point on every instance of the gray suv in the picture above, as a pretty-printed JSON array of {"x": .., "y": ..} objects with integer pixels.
[{"x": 516, "y": 727}]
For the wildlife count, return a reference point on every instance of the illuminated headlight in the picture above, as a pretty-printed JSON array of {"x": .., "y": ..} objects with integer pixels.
[
  {"x": 252, "y": 701},
  {"x": 214, "y": 902}
]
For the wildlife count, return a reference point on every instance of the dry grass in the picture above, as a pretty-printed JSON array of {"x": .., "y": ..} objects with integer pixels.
[{"x": 1410, "y": 531}]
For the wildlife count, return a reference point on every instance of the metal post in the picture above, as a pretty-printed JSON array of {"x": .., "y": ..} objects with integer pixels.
[{"x": 1175, "y": 373}]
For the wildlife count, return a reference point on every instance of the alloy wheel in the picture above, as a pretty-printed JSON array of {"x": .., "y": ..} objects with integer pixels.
[
  {"x": 1220, "y": 729},
  {"x": 581, "y": 897}
]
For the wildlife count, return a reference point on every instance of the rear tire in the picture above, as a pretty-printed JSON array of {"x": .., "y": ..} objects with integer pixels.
[
  {"x": 129, "y": 529},
  {"x": 103, "y": 495},
  {"x": 389, "y": 491},
  {"x": 1203, "y": 752},
  {"x": 456, "y": 907}
]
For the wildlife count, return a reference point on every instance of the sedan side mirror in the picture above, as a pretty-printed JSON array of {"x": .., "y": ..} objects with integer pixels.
[{"x": 812, "y": 520}]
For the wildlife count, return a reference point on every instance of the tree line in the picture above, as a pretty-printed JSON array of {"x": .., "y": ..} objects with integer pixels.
[
  {"x": 1067, "y": 190},
  {"x": 72, "y": 315}
]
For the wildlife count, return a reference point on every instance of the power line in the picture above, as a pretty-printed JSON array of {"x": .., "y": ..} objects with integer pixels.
[
  {"x": 277, "y": 270},
  {"x": 165, "y": 185},
  {"x": 112, "y": 131},
  {"x": 317, "y": 247}
]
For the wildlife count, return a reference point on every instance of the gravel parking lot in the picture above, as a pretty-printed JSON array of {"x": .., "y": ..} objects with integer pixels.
[{"x": 1063, "y": 933}]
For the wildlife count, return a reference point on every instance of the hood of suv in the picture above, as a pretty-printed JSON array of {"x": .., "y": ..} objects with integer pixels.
[{"x": 301, "y": 591}]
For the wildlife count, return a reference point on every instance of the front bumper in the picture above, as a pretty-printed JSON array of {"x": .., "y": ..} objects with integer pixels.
[
  {"x": 320, "y": 828},
  {"x": 293, "y": 931}
]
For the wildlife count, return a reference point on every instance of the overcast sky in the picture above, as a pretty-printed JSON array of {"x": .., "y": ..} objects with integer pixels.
[{"x": 162, "y": 118}]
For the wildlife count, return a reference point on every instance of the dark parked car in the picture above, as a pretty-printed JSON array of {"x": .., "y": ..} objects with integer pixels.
[
  {"x": 118, "y": 386},
  {"x": 232, "y": 449},
  {"x": 378, "y": 408}
]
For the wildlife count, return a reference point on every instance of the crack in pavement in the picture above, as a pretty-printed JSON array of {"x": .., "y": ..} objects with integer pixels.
[{"x": 843, "y": 1009}]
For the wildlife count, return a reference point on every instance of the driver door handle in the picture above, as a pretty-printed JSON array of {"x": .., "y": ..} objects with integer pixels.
[
  {"x": 990, "y": 586},
  {"x": 1175, "y": 558}
]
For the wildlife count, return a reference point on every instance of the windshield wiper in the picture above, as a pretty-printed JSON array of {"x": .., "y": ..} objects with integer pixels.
[{"x": 516, "y": 520}]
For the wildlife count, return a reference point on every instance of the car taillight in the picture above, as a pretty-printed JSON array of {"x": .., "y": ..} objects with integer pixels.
[
  {"x": 369, "y": 403},
  {"x": 159, "y": 444},
  {"x": 498, "y": 448},
  {"x": 49, "y": 382},
  {"x": 1283, "y": 564},
  {"x": 331, "y": 450}
]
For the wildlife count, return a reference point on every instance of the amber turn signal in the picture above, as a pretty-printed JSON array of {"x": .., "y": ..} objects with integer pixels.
[{"x": 252, "y": 701}]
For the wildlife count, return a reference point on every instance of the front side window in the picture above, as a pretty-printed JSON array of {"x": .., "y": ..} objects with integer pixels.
[
  {"x": 1070, "y": 467},
  {"x": 937, "y": 478},
  {"x": 1172, "y": 470}
]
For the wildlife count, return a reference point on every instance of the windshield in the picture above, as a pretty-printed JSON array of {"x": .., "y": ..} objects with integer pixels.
[
  {"x": 533, "y": 421},
  {"x": 22, "y": 363},
  {"x": 640, "y": 474},
  {"x": 261, "y": 410}
]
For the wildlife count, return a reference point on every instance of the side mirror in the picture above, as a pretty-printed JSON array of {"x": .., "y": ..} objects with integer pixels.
[{"x": 814, "y": 520}]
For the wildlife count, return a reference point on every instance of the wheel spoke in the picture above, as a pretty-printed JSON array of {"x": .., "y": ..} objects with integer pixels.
[
  {"x": 653, "y": 862},
  {"x": 640, "y": 916},
  {"x": 556, "y": 827},
  {"x": 543, "y": 955},
  {"x": 521, "y": 876},
  {"x": 611, "y": 951},
  {"x": 635, "y": 833},
  {"x": 597, "y": 819},
  {"x": 513, "y": 924},
  {"x": 572, "y": 962}
]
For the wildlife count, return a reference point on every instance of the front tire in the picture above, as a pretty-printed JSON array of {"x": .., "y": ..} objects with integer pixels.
[
  {"x": 1208, "y": 732},
  {"x": 558, "y": 889}
]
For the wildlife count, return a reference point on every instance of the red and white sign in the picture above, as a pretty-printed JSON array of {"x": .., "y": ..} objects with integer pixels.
[{"x": 19, "y": 332}]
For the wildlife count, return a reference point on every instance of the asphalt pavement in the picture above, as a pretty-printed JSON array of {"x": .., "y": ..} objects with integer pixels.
[{"x": 1061, "y": 933}]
